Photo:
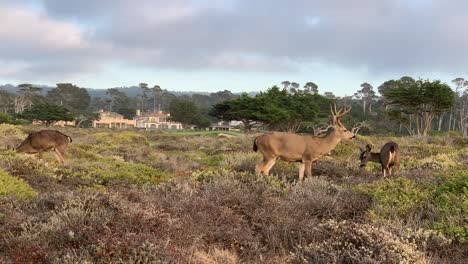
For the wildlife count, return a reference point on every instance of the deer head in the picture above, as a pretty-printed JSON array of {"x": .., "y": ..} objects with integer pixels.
[
  {"x": 365, "y": 155},
  {"x": 339, "y": 129}
]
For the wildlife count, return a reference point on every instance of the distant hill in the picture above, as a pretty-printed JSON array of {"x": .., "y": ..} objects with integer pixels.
[
  {"x": 131, "y": 91},
  {"x": 12, "y": 89}
]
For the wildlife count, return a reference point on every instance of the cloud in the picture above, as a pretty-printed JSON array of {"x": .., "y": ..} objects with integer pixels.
[
  {"x": 387, "y": 36},
  {"x": 36, "y": 46}
]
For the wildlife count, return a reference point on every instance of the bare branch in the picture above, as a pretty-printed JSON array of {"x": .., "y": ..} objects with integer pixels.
[
  {"x": 358, "y": 126},
  {"x": 321, "y": 130}
]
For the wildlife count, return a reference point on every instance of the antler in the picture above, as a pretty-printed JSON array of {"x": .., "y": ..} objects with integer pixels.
[
  {"x": 337, "y": 114},
  {"x": 358, "y": 126}
]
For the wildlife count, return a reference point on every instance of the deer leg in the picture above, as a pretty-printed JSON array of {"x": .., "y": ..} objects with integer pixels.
[
  {"x": 64, "y": 157},
  {"x": 397, "y": 168},
  {"x": 301, "y": 171},
  {"x": 59, "y": 155},
  {"x": 308, "y": 168},
  {"x": 40, "y": 154},
  {"x": 268, "y": 166},
  {"x": 260, "y": 166},
  {"x": 385, "y": 171}
]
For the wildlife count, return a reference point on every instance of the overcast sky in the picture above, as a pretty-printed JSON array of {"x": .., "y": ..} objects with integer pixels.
[{"x": 239, "y": 45}]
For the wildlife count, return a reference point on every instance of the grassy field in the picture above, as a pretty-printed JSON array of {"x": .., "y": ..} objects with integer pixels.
[{"x": 152, "y": 197}]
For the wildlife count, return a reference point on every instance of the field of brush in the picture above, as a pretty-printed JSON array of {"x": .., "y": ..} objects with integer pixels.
[{"x": 153, "y": 197}]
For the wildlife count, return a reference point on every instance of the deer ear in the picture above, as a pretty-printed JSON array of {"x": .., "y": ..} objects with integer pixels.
[
  {"x": 361, "y": 149},
  {"x": 368, "y": 147}
]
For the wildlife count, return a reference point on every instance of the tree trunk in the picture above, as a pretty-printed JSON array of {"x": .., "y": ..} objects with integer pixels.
[
  {"x": 441, "y": 118},
  {"x": 247, "y": 126},
  {"x": 79, "y": 123},
  {"x": 450, "y": 119},
  {"x": 427, "y": 123},
  {"x": 410, "y": 124},
  {"x": 417, "y": 124}
]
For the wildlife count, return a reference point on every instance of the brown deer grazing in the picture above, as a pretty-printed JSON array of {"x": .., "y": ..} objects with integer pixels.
[
  {"x": 305, "y": 149},
  {"x": 45, "y": 140},
  {"x": 388, "y": 157}
]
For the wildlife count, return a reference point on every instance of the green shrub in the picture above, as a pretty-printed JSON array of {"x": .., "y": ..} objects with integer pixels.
[
  {"x": 22, "y": 164},
  {"x": 121, "y": 138},
  {"x": 212, "y": 160},
  {"x": 110, "y": 171},
  {"x": 451, "y": 200},
  {"x": 11, "y": 186},
  {"x": 396, "y": 195},
  {"x": 7, "y": 130},
  {"x": 5, "y": 118},
  {"x": 401, "y": 197}
]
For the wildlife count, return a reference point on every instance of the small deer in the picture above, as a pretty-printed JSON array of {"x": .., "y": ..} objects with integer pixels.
[
  {"x": 45, "y": 140},
  {"x": 388, "y": 157},
  {"x": 305, "y": 149}
]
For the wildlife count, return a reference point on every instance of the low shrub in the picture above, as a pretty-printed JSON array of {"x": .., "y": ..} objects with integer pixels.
[
  {"x": 7, "y": 130},
  {"x": 440, "y": 205},
  {"x": 23, "y": 164},
  {"x": 14, "y": 187},
  {"x": 121, "y": 138},
  {"x": 111, "y": 171},
  {"x": 396, "y": 196},
  {"x": 451, "y": 200},
  {"x": 348, "y": 242}
]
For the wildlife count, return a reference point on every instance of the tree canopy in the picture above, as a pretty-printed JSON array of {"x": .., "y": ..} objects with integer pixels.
[
  {"x": 187, "y": 113},
  {"x": 76, "y": 99},
  {"x": 420, "y": 100},
  {"x": 280, "y": 109},
  {"x": 47, "y": 113}
]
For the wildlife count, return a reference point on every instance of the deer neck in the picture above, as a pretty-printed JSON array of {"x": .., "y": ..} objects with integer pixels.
[
  {"x": 330, "y": 141},
  {"x": 21, "y": 148},
  {"x": 375, "y": 157}
]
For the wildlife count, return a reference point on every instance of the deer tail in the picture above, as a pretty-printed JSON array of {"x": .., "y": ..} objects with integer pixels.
[
  {"x": 70, "y": 139},
  {"x": 255, "y": 148}
]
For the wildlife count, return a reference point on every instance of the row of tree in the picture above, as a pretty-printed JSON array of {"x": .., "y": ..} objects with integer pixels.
[
  {"x": 68, "y": 102},
  {"x": 419, "y": 106},
  {"x": 403, "y": 106}
]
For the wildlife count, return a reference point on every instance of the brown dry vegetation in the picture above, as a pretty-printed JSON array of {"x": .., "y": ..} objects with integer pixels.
[{"x": 137, "y": 197}]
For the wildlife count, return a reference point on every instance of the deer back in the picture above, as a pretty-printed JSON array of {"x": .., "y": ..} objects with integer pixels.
[
  {"x": 288, "y": 145},
  {"x": 390, "y": 154}
]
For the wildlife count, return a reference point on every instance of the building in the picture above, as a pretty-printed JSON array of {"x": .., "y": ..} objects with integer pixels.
[
  {"x": 226, "y": 126},
  {"x": 113, "y": 120},
  {"x": 155, "y": 120},
  {"x": 56, "y": 124}
]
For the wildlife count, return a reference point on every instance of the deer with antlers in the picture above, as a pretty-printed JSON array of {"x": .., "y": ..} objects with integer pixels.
[{"x": 304, "y": 149}]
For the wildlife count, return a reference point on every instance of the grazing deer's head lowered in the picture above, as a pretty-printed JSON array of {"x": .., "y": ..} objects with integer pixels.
[
  {"x": 301, "y": 148},
  {"x": 45, "y": 140},
  {"x": 388, "y": 157}
]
